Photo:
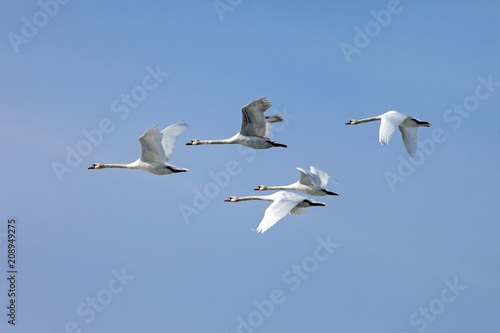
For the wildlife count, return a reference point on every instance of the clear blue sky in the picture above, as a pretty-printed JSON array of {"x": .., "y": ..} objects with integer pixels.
[{"x": 413, "y": 243}]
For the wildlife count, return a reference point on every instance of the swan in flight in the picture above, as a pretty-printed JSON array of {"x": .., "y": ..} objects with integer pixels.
[
  {"x": 392, "y": 119},
  {"x": 156, "y": 146},
  {"x": 312, "y": 183},
  {"x": 255, "y": 128},
  {"x": 283, "y": 203}
]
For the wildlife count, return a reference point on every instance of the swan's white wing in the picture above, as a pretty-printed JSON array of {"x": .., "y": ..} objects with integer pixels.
[
  {"x": 151, "y": 148},
  {"x": 254, "y": 122},
  {"x": 389, "y": 122},
  {"x": 170, "y": 135},
  {"x": 268, "y": 129},
  {"x": 323, "y": 176},
  {"x": 276, "y": 118},
  {"x": 409, "y": 139},
  {"x": 307, "y": 178},
  {"x": 275, "y": 212},
  {"x": 299, "y": 210}
]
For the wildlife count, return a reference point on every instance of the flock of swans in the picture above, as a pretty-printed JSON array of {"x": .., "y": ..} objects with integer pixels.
[{"x": 157, "y": 147}]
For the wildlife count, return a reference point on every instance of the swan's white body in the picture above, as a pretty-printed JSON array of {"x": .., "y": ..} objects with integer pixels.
[
  {"x": 312, "y": 183},
  {"x": 255, "y": 128},
  {"x": 156, "y": 148},
  {"x": 283, "y": 203},
  {"x": 389, "y": 121}
]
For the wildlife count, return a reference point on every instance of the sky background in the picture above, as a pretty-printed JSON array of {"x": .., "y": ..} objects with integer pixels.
[{"x": 400, "y": 243}]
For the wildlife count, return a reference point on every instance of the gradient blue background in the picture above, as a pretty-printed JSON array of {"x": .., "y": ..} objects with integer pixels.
[{"x": 396, "y": 246}]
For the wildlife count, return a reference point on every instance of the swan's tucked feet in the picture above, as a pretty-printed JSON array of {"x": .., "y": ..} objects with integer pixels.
[
  {"x": 176, "y": 170},
  {"x": 328, "y": 192},
  {"x": 276, "y": 144}
]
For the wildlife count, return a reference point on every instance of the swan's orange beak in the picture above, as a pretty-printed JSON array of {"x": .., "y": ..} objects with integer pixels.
[
  {"x": 228, "y": 199},
  {"x": 189, "y": 143},
  {"x": 257, "y": 188},
  {"x": 348, "y": 123},
  {"x": 92, "y": 167}
]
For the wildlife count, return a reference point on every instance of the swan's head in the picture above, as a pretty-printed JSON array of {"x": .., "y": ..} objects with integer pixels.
[
  {"x": 260, "y": 188},
  {"x": 232, "y": 199},
  {"x": 352, "y": 122},
  {"x": 96, "y": 166},
  {"x": 193, "y": 142}
]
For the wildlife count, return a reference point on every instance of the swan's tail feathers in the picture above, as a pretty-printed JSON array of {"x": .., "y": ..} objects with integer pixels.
[
  {"x": 328, "y": 192},
  {"x": 276, "y": 118},
  {"x": 422, "y": 123}
]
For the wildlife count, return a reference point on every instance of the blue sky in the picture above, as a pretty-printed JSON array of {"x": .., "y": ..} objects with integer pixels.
[{"x": 410, "y": 245}]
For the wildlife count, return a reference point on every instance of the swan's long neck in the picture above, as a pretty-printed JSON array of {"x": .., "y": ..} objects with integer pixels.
[
  {"x": 255, "y": 197},
  {"x": 282, "y": 187},
  {"x": 366, "y": 120},
  {"x": 215, "y": 142},
  {"x": 122, "y": 166}
]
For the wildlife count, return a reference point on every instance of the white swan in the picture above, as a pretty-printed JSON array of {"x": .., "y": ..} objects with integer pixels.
[
  {"x": 312, "y": 183},
  {"x": 392, "y": 119},
  {"x": 254, "y": 128},
  {"x": 156, "y": 148},
  {"x": 283, "y": 203}
]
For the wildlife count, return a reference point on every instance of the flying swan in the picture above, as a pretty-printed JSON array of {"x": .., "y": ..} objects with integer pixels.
[
  {"x": 255, "y": 128},
  {"x": 312, "y": 183},
  {"x": 392, "y": 119},
  {"x": 283, "y": 203},
  {"x": 156, "y": 149}
]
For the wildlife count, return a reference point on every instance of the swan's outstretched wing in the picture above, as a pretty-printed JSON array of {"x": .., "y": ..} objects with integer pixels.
[
  {"x": 389, "y": 122},
  {"x": 307, "y": 178},
  {"x": 323, "y": 176},
  {"x": 276, "y": 118},
  {"x": 409, "y": 135},
  {"x": 170, "y": 135},
  {"x": 299, "y": 210},
  {"x": 151, "y": 148},
  {"x": 254, "y": 122},
  {"x": 275, "y": 212}
]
